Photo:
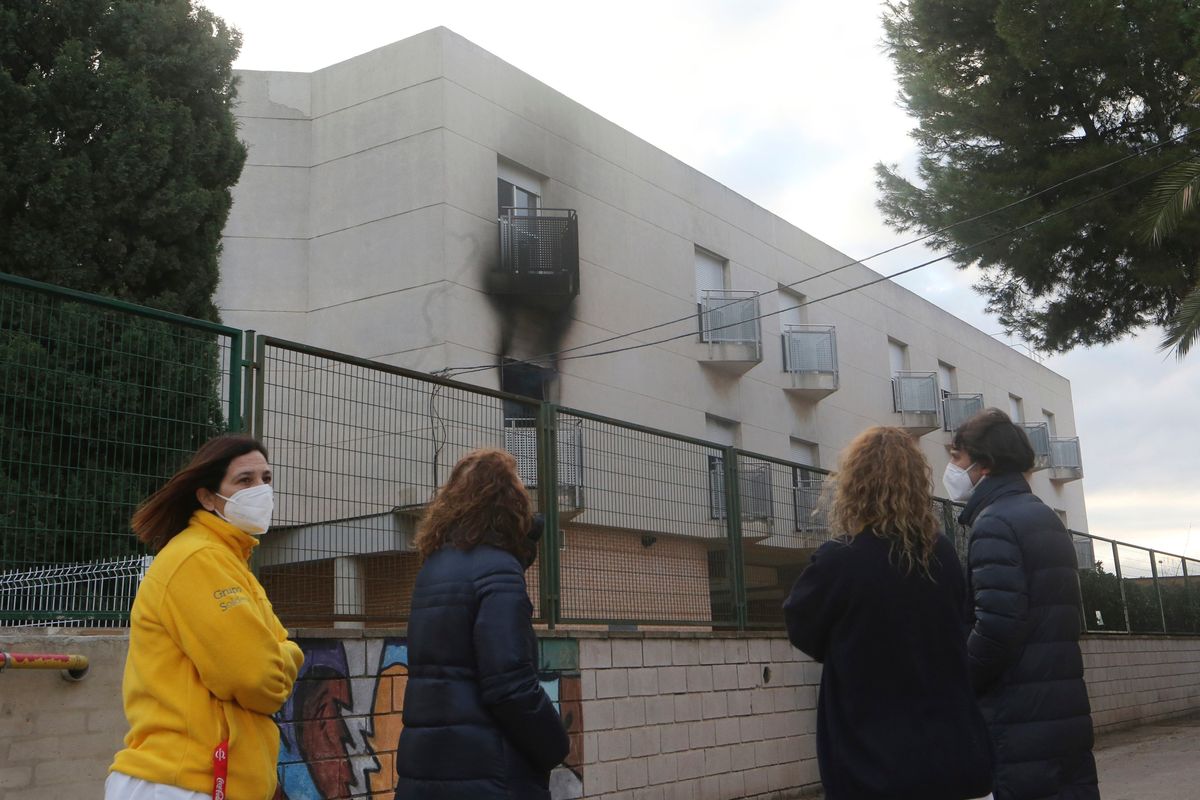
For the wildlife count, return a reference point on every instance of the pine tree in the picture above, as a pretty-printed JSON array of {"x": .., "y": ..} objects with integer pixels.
[
  {"x": 118, "y": 150},
  {"x": 118, "y": 147},
  {"x": 1012, "y": 97}
]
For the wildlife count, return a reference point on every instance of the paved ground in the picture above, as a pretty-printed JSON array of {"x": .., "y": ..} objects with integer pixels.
[{"x": 1160, "y": 761}]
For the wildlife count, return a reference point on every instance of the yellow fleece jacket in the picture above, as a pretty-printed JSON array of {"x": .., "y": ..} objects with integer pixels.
[{"x": 207, "y": 657}]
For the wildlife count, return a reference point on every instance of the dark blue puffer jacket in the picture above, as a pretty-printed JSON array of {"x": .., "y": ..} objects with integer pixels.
[
  {"x": 477, "y": 725},
  {"x": 1023, "y": 648}
]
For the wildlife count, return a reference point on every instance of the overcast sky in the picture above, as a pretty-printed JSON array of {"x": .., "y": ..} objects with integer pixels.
[{"x": 790, "y": 103}]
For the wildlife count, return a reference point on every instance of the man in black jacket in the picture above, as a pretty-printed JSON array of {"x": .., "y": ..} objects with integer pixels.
[{"x": 1023, "y": 647}]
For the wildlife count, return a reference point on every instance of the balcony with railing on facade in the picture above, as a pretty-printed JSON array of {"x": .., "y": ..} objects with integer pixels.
[
  {"x": 1039, "y": 439},
  {"x": 915, "y": 399},
  {"x": 810, "y": 361},
  {"x": 729, "y": 327},
  {"x": 958, "y": 408},
  {"x": 520, "y": 439},
  {"x": 539, "y": 254},
  {"x": 1066, "y": 463}
]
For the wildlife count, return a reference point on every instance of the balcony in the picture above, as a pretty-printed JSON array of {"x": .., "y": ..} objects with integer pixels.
[
  {"x": 1066, "y": 464},
  {"x": 958, "y": 408},
  {"x": 1039, "y": 438},
  {"x": 539, "y": 254},
  {"x": 810, "y": 361},
  {"x": 755, "y": 485},
  {"x": 807, "y": 486},
  {"x": 729, "y": 326},
  {"x": 520, "y": 439},
  {"x": 915, "y": 399}
]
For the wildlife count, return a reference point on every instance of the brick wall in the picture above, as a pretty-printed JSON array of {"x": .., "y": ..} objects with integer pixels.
[
  {"x": 1136, "y": 679},
  {"x": 703, "y": 717},
  {"x": 655, "y": 716},
  {"x": 57, "y": 738}
]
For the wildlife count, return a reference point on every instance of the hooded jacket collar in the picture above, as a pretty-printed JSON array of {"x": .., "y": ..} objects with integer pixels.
[
  {"x": 990, "y": 489},
  {"x": 234, "y": 538}
]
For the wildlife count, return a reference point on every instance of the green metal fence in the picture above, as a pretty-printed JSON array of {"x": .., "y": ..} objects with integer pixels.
[
  {"x": 100, "y": 401},
  {"x": 357, "y": 449}
]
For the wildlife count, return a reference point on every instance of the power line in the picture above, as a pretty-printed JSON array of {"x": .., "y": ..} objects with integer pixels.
[
  {"x": 848, "y": 290},
  {"x": 1088, "y": 173}
]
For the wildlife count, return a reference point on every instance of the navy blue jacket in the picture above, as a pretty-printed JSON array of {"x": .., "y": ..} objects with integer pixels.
[
  {"x": 896, "y": 717},
  {"x": 477, "y": 725},
  {"x": 1024, "y": 644}
]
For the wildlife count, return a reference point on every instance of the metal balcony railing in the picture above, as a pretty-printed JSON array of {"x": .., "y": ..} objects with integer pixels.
[
  {"x": 540, "y": 249},
  {"x": 806, "y": 490},
  {"x": 915, "y": 392},
  {"x": 755, "y": 485},
  {"x": 1064, "y": 453},
  {"x": 1039, "y": 438},
  {"x": 810, "y": 348},
  {"x": 730, "y": 317},
  {"x": 520, "y": 439},
  {"x": 958, "y": 408}
]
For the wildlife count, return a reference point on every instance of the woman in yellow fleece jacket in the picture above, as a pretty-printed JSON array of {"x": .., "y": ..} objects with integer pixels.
[{"x": 209, "y": 662}]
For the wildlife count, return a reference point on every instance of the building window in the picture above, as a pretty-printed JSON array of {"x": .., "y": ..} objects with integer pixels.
[
  {"x": 517, "y": 188},
  {"x": 897, "y": 357},
  {"x": 723, "y": 432},
  {"x": 792, "y": 308},
  {"x": 1016, "y": 409},
  {"x": 1049, "y": 418},
  {"x": 806, "y": 486},
  {"x": 712, "y": 279},
  {"x": 527, "y": 380},
  {"x": 947, "y": 379}
]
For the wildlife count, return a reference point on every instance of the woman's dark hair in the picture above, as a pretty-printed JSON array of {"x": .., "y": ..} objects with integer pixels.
[
  {"x": 992, "y": 440},
  {"x": 483, "y": 502},
  {"x": 167, "y": 511}
]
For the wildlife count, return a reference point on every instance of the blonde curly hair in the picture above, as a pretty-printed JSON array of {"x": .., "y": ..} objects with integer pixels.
[{"x": 883, "y": 486}]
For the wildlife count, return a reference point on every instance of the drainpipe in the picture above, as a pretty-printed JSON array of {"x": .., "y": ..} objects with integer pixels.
[{"x": 74, "y": 667}]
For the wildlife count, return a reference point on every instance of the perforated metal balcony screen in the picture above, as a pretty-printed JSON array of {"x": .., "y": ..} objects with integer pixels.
[
  {"x": 730, "y": 317},
  {"x": 809, "y": 351},
  {"x": 915, "y": 393},
  {"x": 958, "y": 408},
  {"x": 537, "y": 242},
  {"x": 1065, "y": 453},
  {"x": 1039, "y": 439}
]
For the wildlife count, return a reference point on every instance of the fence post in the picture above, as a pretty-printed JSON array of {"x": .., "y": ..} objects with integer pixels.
[
  {"x": 548, "y": 567},
  {"x": 235, "y": 419},
  {"x": 254, "y": 400},
  {"x": 1162, "y": 612},
  {"x": 1121, "y": 585},
  {"x": 733, "y": 525},
  {"x": 246, "y": 374}
]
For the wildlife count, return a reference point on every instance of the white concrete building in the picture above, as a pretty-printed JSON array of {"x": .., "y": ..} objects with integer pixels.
[{"x": 367, "y": 217}]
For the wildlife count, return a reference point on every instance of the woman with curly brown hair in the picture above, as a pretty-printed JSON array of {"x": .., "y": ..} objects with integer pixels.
[
  {"x": 477, "y": 724},
  {"x": 881, "y": 608}
]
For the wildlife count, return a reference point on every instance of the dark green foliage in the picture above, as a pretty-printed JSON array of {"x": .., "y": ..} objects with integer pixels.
[
  {"x": 118, "y": 150},
  {"x": 1101, "y": 592},
  {"x": 97, "y": 408},
  {"x": 1012, "y": 97},
  {"x": 118, "y": 147}
]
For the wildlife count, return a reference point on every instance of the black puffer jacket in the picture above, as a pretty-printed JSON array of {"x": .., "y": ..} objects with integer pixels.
[
  {"x": 477, "y": 725},
  {"x": 896, "y": 718},
  {"x": 1023, "y": 648}
]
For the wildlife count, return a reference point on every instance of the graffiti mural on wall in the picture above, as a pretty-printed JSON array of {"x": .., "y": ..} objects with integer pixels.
[{"x": 340, "y": 728}]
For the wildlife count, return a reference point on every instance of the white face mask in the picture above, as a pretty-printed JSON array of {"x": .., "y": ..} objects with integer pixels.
[
  {"x": 250, "y": 509},
  {"x": 958, "y": 482}
]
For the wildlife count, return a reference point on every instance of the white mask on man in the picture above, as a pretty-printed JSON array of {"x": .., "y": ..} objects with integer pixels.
[
  {"x": 250, "y": 510},
  {"x": 958, "y": 482}
]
